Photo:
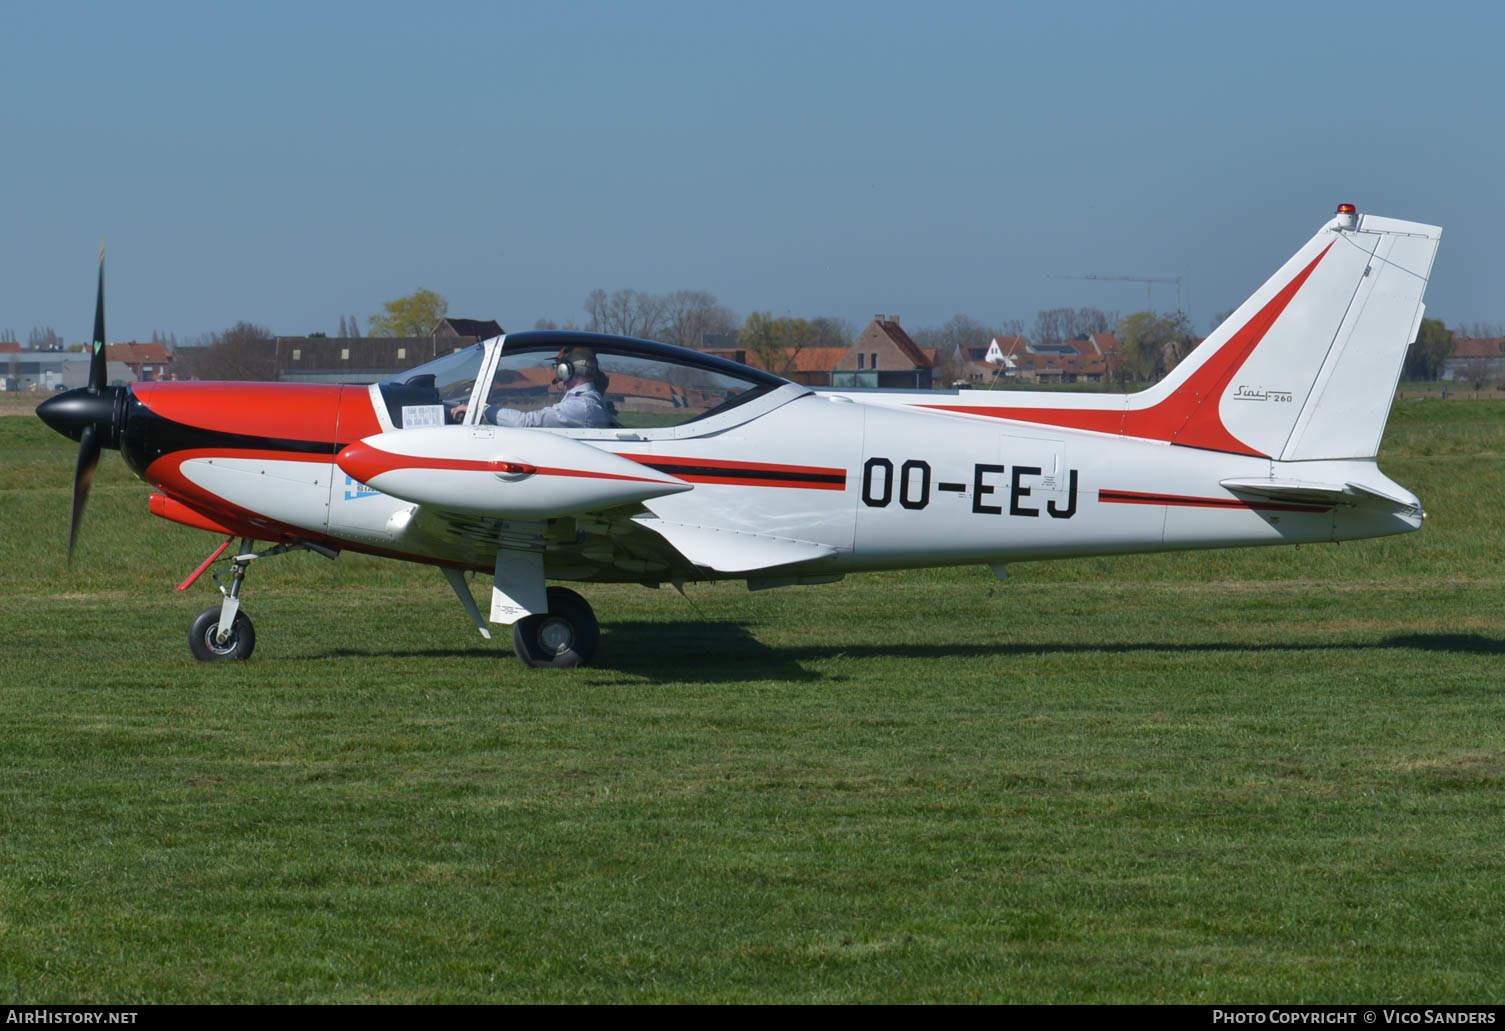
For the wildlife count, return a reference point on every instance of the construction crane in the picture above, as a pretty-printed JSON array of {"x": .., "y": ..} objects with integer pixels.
[{"x": 1148, "y": 284}]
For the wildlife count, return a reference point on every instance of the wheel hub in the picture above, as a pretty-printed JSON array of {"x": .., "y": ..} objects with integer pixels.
[{"x": 556, "y": 635}]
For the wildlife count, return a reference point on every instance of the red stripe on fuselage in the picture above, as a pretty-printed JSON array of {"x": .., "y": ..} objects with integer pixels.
[
  {"x": 1188, "y": 417},
  {"x": 366, "y": 462}
]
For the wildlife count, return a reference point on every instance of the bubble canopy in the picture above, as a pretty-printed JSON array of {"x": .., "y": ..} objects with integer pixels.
[{"x": 648, "y": 384}]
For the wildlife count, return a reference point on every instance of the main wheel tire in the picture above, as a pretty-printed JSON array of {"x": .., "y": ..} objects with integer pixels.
[
  {"x": 205, "y": 648},
  {"x": 567, "y": 635}
]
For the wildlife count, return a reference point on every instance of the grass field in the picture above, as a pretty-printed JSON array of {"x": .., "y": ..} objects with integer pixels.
[{"x": 1268, "y": 775}]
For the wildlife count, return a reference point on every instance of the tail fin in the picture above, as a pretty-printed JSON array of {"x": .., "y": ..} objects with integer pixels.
[
  {"x": 1307, "y": 366},
  {"x": 1304, "y": 369}
]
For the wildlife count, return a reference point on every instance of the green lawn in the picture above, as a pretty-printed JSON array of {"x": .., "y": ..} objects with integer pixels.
[{"x": 1267, "y": 775}]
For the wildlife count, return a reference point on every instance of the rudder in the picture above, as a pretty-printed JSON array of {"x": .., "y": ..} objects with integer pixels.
[{"x": 1346, "y": 408}]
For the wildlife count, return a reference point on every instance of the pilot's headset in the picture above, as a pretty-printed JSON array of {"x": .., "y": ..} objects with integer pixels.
[{"x": 575, "y": 361}]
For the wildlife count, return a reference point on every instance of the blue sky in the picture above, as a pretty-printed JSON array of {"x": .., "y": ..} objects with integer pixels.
[{"x": 291, "y": 163}]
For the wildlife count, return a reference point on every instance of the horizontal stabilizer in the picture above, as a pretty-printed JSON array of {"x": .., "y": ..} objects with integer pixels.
[
  {"x": 1349, "y": 495},
  {"x": 733, "y": 551}
]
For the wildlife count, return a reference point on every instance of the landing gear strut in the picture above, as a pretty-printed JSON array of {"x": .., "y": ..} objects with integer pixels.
[
  {"x": 566, "y": 635},
  {"x": 224, "y": 632}
]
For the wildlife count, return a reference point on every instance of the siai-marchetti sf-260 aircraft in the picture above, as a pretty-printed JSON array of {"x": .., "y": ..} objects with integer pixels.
[{"x": 707, "y": 469}]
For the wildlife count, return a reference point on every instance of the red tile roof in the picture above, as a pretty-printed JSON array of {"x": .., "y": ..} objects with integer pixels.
[
  {"x": 137, "y": 354},
  {"x": 906, "y": 346},
  {"x": 1478, "y": 347}
]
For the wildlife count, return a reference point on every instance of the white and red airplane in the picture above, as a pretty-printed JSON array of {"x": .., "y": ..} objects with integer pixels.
[{"x": 1265, "y": 434}]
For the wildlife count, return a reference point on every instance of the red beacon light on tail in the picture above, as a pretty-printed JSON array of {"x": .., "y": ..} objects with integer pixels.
[{"x": 1348, "y": 216}]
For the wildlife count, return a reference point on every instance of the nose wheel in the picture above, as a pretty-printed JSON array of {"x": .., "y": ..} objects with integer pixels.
[
  {"x": 207, "y": 646},
  {"x": 566, "y": 635},
  {"x": 223, "y": 631}
]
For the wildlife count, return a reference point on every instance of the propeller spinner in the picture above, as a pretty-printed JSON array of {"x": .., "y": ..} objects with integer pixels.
[{"x": 93, "y": 415}]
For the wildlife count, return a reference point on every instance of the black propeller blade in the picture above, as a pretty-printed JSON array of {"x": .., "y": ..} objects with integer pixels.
[
  {"x": 88, "y": 445},
  {"x": 93, "y": 415},
  {"x": 83, "y": 479},
  {"x": 97, "y": 370}
]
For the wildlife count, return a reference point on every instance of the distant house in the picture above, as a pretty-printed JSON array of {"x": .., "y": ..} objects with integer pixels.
[
  {"x": 883, "y": 355},
  {"x": 1071, "y": 361},
  {"x": 372, "y": 359},
  {"x": 467, "y": 329},
  {"x": 1476, "y": 358},
  {"x": 147, "y": 362}
]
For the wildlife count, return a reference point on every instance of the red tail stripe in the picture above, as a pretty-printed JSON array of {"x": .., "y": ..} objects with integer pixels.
[{"x": 1190, "y": 415}]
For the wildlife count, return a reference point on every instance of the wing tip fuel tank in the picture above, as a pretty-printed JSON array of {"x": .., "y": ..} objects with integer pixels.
[{"x": 500, "y": 471}]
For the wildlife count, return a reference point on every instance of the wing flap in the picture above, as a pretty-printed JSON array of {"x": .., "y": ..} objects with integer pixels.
[{"x": 733, "y": 551}]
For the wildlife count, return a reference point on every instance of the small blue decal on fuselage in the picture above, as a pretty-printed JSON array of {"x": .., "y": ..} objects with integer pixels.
[{"x": 355, "y": 489}]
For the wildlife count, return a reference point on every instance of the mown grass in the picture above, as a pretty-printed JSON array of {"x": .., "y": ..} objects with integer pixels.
[{"x": 1257, "y": 775}]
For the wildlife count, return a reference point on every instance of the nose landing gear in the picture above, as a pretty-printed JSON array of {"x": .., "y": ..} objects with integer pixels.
[{"x": 224, "y": 632}]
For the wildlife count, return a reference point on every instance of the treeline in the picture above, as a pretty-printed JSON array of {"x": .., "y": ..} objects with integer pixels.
[{"x": 1150, "y": 344}]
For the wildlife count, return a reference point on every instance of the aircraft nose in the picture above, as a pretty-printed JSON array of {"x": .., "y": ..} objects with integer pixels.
[{"x": 72, "y": 412}]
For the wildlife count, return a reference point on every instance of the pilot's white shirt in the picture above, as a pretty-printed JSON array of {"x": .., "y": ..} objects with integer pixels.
[{"x": 582, "y": 406}]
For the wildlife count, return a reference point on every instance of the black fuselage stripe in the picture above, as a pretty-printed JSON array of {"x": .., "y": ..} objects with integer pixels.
[
  {"x": 149, "y": 436},
  {"x": 772, "y": 475}
]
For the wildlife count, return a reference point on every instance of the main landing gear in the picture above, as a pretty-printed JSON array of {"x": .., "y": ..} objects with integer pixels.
[
  {"x": 564, "y": 636},
  {"x": 223, "y": 631}
]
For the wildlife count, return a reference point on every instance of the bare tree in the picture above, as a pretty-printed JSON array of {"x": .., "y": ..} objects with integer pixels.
[
  {"x": 1477, "y": 372},
  {"x": 831, "y": 331},
  {"x": 1058, "y": 325},
  {"x": 43, "y": 338},
  {"x": 690, "y": 314},
  {"x": 626, "y": 313},
  {"x": 245, "y": 351},
  {"x": 951, "y": 343}
]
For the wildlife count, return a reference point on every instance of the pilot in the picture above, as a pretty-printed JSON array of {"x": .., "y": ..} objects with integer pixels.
[{"x": 583, "y": 406}]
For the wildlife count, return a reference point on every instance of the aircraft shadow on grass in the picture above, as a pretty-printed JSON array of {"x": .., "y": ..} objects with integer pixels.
[
  {"x": 696, "y": 652},
  {"x": 1464, "y": 643},
  {"x": 723, "y": 651}
]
